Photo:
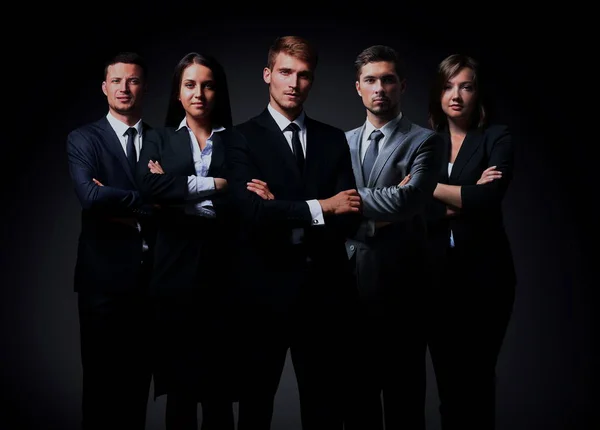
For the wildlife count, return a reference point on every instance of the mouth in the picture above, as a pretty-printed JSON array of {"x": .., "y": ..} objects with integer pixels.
[{"x": 456, "y": 107}]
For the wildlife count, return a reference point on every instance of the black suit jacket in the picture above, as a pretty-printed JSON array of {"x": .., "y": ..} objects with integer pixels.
[
  {"x": 109, "y": 253},
  {"x": 189, "y": 248},
  {"x": 271, "y": 260},
  {"x": 479, "y": 233}
]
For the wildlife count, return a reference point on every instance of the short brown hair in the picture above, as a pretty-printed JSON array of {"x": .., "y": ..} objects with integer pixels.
[
  {"x": 294, "y": 46},
  {"x": 377, "y": 53}
]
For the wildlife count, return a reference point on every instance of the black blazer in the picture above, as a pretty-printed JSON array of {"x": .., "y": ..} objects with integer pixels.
[
  {"x": 265, "y": 154},
  {"x": 109, "y": 252},
  {"x": 189, "y": 248},
  {"x": 479, "y": 233}
]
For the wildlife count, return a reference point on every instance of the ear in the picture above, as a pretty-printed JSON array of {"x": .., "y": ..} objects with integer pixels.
[
  {"x": 104, "y": 88},
  {"x": 403, "y": 86},
  {"x": 267, "y": 75},
  {"x": 358, "y": 88}
]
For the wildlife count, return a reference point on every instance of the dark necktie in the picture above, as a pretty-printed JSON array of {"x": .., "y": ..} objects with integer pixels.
[
  {"x": 371, "y": 154},
  {"x": 130, "y": 148},
  {"x": 296, "y": 145}
]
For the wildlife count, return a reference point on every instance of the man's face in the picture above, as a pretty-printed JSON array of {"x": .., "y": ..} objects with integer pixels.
[
  {"x": 289, "y": 82},
  {"x": 124, "y": 88},
  {"x": 380, "y": 88}
]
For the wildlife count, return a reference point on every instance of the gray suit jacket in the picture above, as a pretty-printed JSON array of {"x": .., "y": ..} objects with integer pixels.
[{"x": 409, "y": 149}]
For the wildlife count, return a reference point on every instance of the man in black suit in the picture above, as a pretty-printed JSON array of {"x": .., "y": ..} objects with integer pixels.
[
  {"x": 292, "y": 180},
  {"x": 112, "y": 257}
]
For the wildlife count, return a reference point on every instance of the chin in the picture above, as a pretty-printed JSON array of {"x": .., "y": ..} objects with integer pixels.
[{"x": 290, "y": 106}]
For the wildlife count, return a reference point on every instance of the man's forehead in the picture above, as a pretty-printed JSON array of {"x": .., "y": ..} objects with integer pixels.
[{"x": 125, "y": 70}]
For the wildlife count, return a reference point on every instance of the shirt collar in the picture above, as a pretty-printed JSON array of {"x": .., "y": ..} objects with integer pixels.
[
  {"x": 120, "y": 127},
  {"x": 386, "y": 129},
  {"x": 283, "y": 122},
  {"x": 183, "y": 123}
]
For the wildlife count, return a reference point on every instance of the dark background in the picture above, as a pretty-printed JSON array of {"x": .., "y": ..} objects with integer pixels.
[{"x": 52, "y": 84}]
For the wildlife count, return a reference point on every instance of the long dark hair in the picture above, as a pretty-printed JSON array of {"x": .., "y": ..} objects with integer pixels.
[
  {"x": 221, "y": 114},
  {"x": 446, "y": 70}
]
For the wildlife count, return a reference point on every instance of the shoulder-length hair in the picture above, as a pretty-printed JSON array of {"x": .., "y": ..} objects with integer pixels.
[{"x": 446, "y": 70}]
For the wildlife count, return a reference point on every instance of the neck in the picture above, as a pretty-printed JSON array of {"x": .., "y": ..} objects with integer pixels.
[
  {"x": 380, "y": 120},
  {"x": 130, "y": 119},
  {"x": 290, "y": 114},
  {"x": 458, "y": 128},
  {"x": 202, "y": 128}
]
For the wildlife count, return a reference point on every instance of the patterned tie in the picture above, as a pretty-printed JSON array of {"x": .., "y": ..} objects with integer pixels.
[
  {"x": 296, "y": 145},
  {"x": 130, "y": 148},
  {"x": 371, "y": 154}
]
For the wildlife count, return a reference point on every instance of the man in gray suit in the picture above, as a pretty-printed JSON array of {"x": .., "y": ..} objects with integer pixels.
[{"x": 395, "y": 163}]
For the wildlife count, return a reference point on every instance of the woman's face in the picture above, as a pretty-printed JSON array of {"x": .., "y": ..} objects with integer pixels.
[
  {"x": 459, "y": 96},
  {"x": 197, "y": 91}
]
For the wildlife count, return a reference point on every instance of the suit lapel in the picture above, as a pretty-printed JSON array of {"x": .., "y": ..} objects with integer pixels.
[
  {"x": 183, "y": 151},
  {"x": 446, "y": 148},
  {"x": 466, "y": 151},
  {"x": 114, "y": 146},
  {"x": 391, "y": 145},
  {"x": 354, "y": 144},
  {"x": 279, "y": 143},
  {"x": 218, "y": 153}
]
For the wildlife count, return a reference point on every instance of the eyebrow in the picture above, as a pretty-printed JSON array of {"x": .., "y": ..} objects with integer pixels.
[{"x": 388, "y": 75}]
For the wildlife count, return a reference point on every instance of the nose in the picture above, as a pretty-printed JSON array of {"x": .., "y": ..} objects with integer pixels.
[
  {"x": 294, "y": 81},
  {"x": 454, "y": 94},
  {"x": 124, "y": 86},
  {"x": 198, "y": 93},
  {"x": 377, "y": 87}
]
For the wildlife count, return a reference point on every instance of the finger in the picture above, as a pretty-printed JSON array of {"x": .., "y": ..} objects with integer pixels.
[
  {"x": 256, "y": 184},
  {"x": 256, "y": 191},
  {"x": 253, "y": 187},
  {"x": 258, "y": 181}
]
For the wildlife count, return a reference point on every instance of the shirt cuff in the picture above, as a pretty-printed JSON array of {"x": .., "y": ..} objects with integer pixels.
[
  {"x": 316, "y": 212},
  {"x": 199, "y": 186}
]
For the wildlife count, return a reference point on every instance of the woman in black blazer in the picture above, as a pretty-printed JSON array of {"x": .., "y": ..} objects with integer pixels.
[
  {"x": 474, "y": 281},
  {"x": 182, "y": 169}
]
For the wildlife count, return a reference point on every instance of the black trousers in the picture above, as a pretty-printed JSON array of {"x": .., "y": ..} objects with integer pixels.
[
  {"x": 386, "y": 377},
  {"x": 116, "y": 361},
  {"x": 469, "y": 319},
  {"x": 300, "y": 311}
]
